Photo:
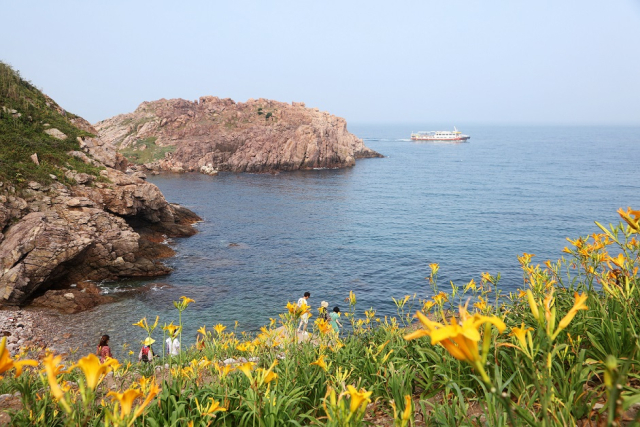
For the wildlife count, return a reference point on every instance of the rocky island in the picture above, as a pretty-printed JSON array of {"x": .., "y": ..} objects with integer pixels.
[
  {"x": 70, "y": 215},
  {"x": 214, "y": 134}
]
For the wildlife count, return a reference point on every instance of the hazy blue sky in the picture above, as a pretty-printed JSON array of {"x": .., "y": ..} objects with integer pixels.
[{"x": 447, "y": 62}]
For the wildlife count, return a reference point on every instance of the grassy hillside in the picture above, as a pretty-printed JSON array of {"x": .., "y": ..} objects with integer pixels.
[{"x": 25, "y": 114}]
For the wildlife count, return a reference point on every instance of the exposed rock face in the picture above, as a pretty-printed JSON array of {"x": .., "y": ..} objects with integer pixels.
[
  {"x": 71, "y": 300},
  {"x": 219, "y": 134},
  {"x": 56, "y": 235}
]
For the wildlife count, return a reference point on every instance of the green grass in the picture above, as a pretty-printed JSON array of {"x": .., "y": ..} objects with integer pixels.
[
  {"x": 152, "y": 152},
  {"x": 22, "y": 134}
]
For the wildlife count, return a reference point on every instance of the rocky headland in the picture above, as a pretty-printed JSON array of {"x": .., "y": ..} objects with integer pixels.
[
  {"x": 214, "y": 134},
  {"x": 70, "y": 214}
]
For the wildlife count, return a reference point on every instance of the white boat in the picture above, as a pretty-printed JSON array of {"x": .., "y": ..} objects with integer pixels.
[{"x": 440, "y": 135}]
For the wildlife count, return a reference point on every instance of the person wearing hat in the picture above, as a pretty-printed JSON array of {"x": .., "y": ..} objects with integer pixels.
[
  {"x": 323, "y": 313},
  {"x": 146, "y": 352}
]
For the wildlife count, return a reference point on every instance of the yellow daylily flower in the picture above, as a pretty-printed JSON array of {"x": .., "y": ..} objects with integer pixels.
[
  {"x": 426, "y": 306},
  {"x": 459, "y": 339},
  {"x": 113, "y": 363},
  {"x": 182, "y": 305},
  {"x": 203, "y": 330},
  {"x": 434, "y": 268},
  {"x": 336, "y": 346},
  {"x": 142, "y": 323},
  {"x": 210, "y": 410},
  {"x": 93, "y": 370},
  {"x": 245, "y": 346},
  {"x": 223, "y": 369},
  {"x": 219, "y": 328},
  {"x": 151, "y": 328},
  {"x": 51, "y": 366},
  {"x": 579, "y": 304},
  {"x": 153, "y": 392},
  {"x": 357, "y": 397},
  {"x": 441, "y": 298},
  {"x": 405, "y": 417},
  {"x": 145, "y": 383},
  {"x": 186, "y": 300},
  {"x": 323, "y": 326},
  {"x": 481, "y": 304},
  {"x": 291, "y": 307},
  {"x": 577, "y": 243},
  {"x": 619, "y": 260},
  {"x": 634, "y": 222},
  {"x": 304, "y": 309},
  {"x": 320, "y": 363},
  {"x": 125, "y": 400},
  {"x": 270, "y": 376},
  {"x": 7, "y": 362},
  {"x": 246, "y": 369},
  {"x": 525, "y": 258},
  {"x": 171, "y": 328},
  {"x": 352, "y": 298},
  {"x": 408, "y": 406},
  {"x": 521, "y": 335},
  {"x": 470, "y": 285},
  {"x": 486, "y": 277}
]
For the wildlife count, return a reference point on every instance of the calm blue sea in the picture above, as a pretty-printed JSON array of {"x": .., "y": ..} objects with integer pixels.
[{"x": 374, "y": 228}]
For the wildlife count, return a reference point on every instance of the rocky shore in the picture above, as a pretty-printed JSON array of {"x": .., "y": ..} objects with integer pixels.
[
  {"x": 213, "y": 134},
  {"x": 88, "y": 218},
  {"x": 37, "y": 330}
]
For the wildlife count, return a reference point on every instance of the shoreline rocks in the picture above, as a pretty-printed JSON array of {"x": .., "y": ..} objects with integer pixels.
[{"x": 103, "y": 227}]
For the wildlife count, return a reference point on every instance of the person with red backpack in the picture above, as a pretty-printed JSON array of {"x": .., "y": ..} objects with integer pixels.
[{"x": 146, "y": 352}]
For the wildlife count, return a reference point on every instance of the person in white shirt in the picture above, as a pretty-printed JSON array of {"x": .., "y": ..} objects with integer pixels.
[
  {"x": 173, "y": 345},
  {"x": 304, "y": 319}
]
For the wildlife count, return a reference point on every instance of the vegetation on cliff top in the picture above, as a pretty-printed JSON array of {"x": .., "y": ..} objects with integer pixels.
[
  {"x": 146, "y": 151},
  {"x": 25, "y": 114},
  {"x": 561, "y": 351}
]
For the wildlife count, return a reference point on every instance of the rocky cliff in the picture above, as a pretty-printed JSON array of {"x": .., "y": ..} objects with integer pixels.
[
  {"x": 68, "y": 211},
  {"x": 220, "y": 134}
]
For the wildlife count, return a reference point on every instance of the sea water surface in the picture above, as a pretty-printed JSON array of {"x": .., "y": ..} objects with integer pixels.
[{"x": 374, "y": 228}]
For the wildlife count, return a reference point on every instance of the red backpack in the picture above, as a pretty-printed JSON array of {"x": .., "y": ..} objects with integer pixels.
[{"x": 145, "y": 353}]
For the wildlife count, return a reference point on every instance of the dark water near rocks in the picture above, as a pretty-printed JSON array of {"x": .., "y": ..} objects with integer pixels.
[{"x": 374, "y": 228}]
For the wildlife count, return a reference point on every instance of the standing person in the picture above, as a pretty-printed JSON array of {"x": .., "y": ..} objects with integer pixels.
[
  {"x": 304, "y": 319},
  {"x": 334, "y": 322},
  {"x": 146, "y": 352},
  {"x": 103, "y": 349},
  {"x": 173, "y": 344},
  {"x": 322, "y": 311}
]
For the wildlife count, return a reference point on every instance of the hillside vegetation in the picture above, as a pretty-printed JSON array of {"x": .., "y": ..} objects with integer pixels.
[{"x": 25, "y": 114}]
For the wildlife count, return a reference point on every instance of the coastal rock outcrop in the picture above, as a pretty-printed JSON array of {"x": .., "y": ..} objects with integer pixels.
[
  {"x": 214, "y": 134},
  {"x": 84, "y": 219},
  {"x": 59, "y": 235}
]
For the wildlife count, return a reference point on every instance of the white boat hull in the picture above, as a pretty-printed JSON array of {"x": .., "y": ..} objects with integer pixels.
[
  {"x": 417, "y": 138},
  {"x": 440, "y": 135}
]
